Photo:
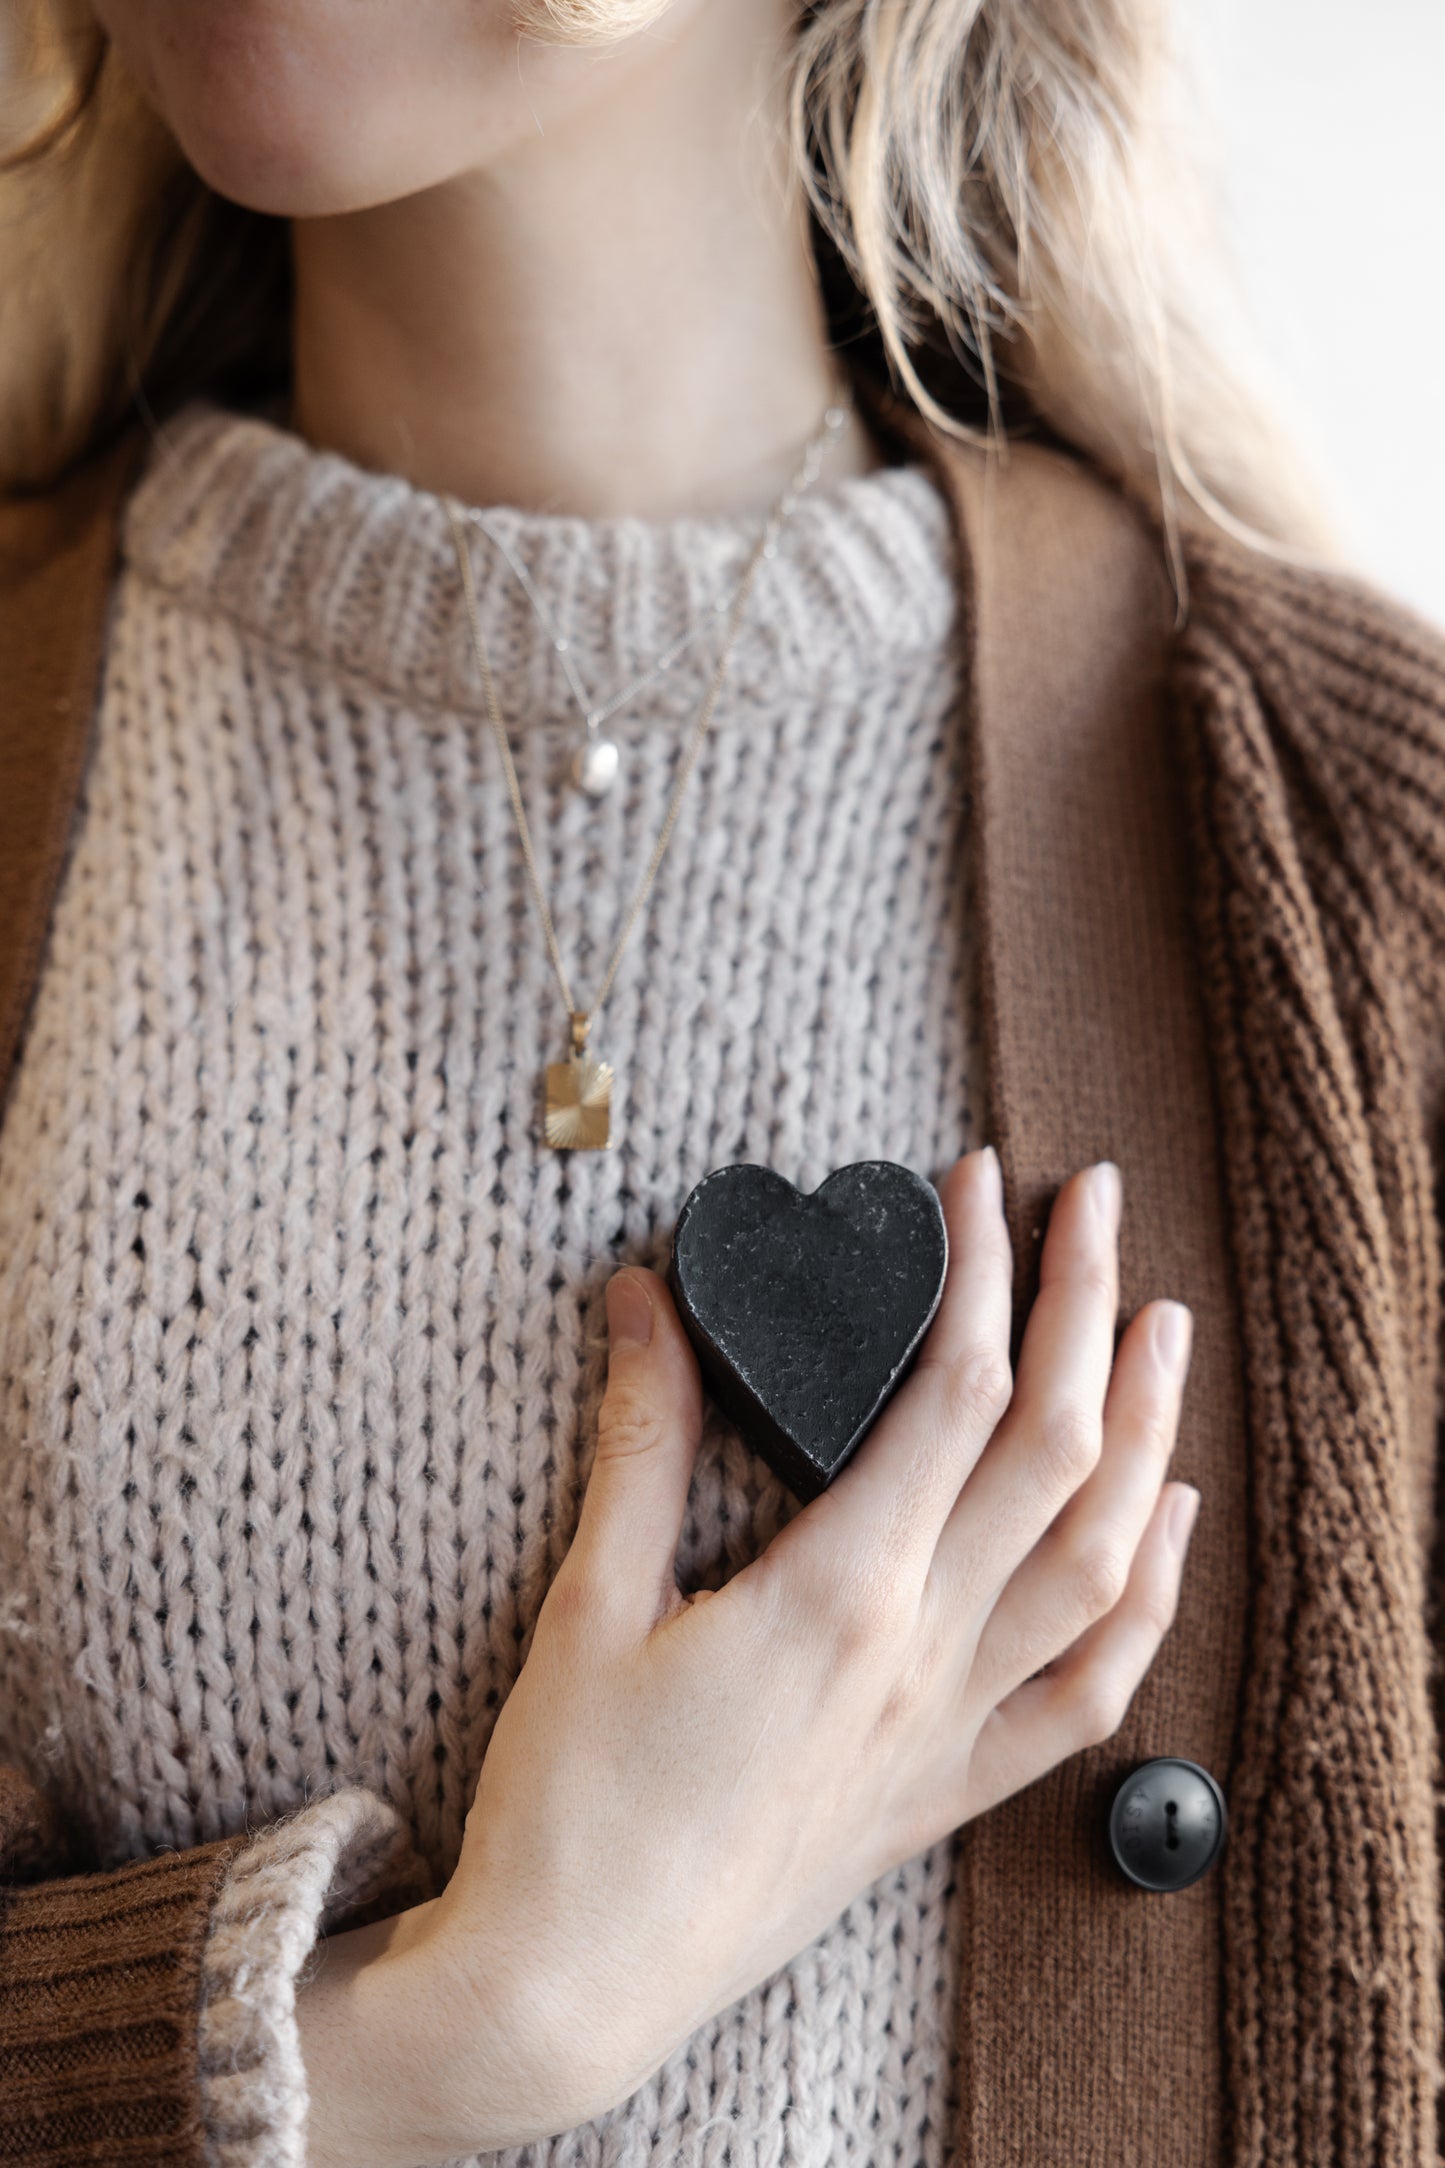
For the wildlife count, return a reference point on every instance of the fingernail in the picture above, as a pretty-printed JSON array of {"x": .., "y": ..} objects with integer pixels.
[
  {"x": 629, "y": 1311},
  {"x": 1173, "y": 1334},
  {"x": 1183, "y": 1508},
  {"x": 1108, "y": 1194},
  {"x": 992, "y": 1177}
]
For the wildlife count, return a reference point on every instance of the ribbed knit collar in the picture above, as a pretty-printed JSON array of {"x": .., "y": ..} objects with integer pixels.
[{"x": 357, "y": 572}]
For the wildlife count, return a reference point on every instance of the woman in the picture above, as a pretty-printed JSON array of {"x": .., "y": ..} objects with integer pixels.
[{"x": 526, "y": 651}]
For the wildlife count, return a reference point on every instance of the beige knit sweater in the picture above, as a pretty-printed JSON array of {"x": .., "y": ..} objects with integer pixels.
[{"x": 302, "y": 1329}]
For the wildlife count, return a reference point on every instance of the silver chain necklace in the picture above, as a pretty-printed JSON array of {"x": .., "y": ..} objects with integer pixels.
[
  {"x": 596, "y": 763},
  {"x": 577, "y": 1091}
]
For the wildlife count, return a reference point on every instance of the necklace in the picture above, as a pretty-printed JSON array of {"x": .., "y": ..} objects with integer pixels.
[
  {"x": 596, "y": 762},
  {"x": 577, "y": 1110}
]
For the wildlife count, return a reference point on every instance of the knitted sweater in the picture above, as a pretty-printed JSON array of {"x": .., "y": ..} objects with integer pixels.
[
  {"x": 1208, "y": 901},
  {"x": 302, "y": 1328}
]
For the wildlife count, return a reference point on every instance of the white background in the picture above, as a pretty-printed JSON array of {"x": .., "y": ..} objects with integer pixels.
[{"x": 1329, "y": 125}]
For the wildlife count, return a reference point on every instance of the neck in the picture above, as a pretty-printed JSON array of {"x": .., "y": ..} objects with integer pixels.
[{"x": 616, "y": 316}]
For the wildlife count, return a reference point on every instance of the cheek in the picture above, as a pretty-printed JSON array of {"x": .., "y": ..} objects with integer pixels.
[{"x": 310, "y": 107}]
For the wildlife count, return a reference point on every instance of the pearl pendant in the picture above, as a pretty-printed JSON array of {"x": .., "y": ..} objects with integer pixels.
[{"x": 595, "y": 765}]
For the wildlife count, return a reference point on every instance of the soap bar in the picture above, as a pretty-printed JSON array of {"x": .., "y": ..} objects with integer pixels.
[{"x": 806, "y": 1310}]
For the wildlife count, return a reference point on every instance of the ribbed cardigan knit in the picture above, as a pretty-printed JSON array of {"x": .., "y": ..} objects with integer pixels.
[{"x": 1208, "y": 895}]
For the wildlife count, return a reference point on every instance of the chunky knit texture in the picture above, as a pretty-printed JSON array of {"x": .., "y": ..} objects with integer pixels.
[
  {"x": 303, "y": 1328},
  {"x": 1285, "y": 2010}
]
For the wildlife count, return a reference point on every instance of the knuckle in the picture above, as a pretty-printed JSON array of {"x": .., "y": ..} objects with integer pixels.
[
  {"x": 1100, "y": 1704},
  {"x": 626, "y": 1424},
  {"x": 1159, "y": 1603},
  {"x": 1155, "y": 1429},
  {"x": 1067, "y": 1446},
  {"x": 908, "y": 1693},
  {"x": 577, "y": 1603},
  {"x": 1095, "y": 1276},
  {"x": 1099, "y": 1573},
  {"x": 1085, "y": 1271},
  {"x": 979, "y": 1386},
  {"x": 870, "y": 1613}
]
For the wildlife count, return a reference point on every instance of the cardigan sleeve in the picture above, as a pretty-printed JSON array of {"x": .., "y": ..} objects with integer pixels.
[
  {"x": 1350, "y": 690},
  {"x": 147, "y": 2014},
  {"x": 99, "y": 1990}
]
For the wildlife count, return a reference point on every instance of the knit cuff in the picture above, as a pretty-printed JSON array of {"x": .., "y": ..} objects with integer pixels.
[
  {"x": 99, "y": 1982},
  {"x": 341, "y": 1857}
]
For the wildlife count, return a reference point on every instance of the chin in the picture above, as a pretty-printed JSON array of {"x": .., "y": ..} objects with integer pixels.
[{"x": 307, "y": 108}]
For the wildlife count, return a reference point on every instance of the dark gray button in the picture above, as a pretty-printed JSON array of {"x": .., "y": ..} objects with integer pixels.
[{"x": 1167, "y": 1824}]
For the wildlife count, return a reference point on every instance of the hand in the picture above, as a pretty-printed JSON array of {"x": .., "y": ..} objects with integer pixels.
[{"x": 683, "y": 1792}]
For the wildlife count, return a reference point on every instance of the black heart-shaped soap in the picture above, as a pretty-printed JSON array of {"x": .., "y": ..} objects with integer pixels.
[{"x": 806, "y": 1310}]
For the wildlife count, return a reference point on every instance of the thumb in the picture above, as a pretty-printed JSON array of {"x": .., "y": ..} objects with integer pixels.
[{"x": 647, "y": 1436}]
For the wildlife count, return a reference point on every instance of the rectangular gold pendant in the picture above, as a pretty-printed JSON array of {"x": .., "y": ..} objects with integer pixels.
[{"x": 579, "y": 1104}]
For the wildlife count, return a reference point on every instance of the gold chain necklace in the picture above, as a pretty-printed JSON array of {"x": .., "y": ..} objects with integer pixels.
[{"x": 577, "y": 1112}]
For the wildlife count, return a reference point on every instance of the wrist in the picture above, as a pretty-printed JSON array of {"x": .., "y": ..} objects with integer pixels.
[
  {"x": 422, "y": 2043},
  {"x": 513, "y": 2059},
  {"x": 380, "y": 2050}
]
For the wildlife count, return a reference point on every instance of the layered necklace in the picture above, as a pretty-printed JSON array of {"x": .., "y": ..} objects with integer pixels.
[
  {"x": 597, "y": 760},
  {"x": 577, "y": 1091}
]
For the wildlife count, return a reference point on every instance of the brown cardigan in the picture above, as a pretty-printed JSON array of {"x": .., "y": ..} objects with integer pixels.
[{"x": 1212, "y": 912}]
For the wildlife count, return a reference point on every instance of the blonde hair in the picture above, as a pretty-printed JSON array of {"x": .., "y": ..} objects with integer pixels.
[{"x": 1010, "y": 226}]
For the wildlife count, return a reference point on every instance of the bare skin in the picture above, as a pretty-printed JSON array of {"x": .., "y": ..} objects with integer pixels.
[{"x": 575, "y": 280}]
